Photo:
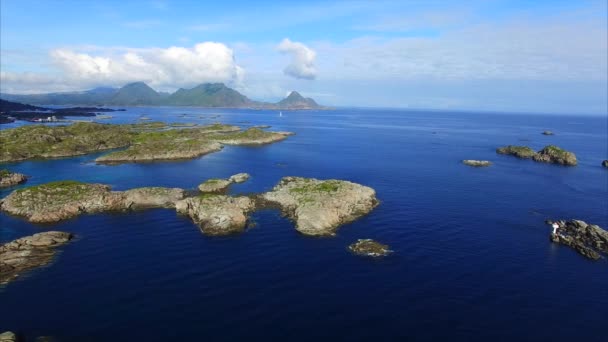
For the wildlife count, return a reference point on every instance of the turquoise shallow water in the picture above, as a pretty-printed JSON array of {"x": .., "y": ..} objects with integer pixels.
[{"x": 472, "y": 257}]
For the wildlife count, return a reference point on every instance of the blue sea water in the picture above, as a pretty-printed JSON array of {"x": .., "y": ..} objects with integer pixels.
[{"x": 472, "y": 258}]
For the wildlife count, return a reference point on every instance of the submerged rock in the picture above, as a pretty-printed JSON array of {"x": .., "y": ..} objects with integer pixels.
[
  {"x": 217, "y": 214},
  {"x": 588, "y": 240},
  {"x": 369, "y": 247},
  {"x": 556, "y": 155},
  {"x": 56, "y": 201},
  {"x": 219, "y": 185},
  {"x": 29, "y": 252},
  {"x": 8, "y": 178},
  {"x": 319, "y": 207},
  {"x": 476, "y": 163},
  {"x": 548, "y": 133},
  {"x": 549, "y": 154}
]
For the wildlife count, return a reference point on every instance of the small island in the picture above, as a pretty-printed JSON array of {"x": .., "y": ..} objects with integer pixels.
[
  {"x": 8, "y": 178},
  {"x": 588, "y": 240},
  {"x": 219, "y": 185},
  {"x": 605, "y": 163},
  {"x": 319, "y": 207},
  {"x": 217, "y": 214},
  {"x": 548, "y": 133},
  {"x": 29, "y": 252},
  {"x": 369, "y": 248},
  {"x": 549, "y": 154}
]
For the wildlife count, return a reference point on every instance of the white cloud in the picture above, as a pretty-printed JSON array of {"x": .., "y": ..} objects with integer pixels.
[{"x": 302, "y": 63}]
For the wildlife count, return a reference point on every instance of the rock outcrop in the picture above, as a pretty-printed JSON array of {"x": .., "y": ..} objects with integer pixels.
[
  {"x": 549, "y": 154},
  {"x": 319, "y": 207},
  {"x": 29, "y": 252},
  {"x": 56, "y": 201},
  {"x": 215, "y": 185},
  {"x": 605, "y": 163},
  {"x": 476, "y": 163},
  {"x": 8, "y": 178},
  {"x": 251, "y": 136},
  {"x": 369, "y": 247},
  {"x": 548, "y": 133},
  {"x": 589, "y": 240},
  {"x": 217, "y": 214}
]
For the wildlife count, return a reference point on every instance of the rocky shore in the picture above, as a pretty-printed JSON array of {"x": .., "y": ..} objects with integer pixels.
[
  {"x": 29, "y": 252},
  {"x": 588, "y": 240},
  {"x": 8, "y": 178},
  {"x": 549, "y": 154},
  {"x": 148, "y": 141},
  {"x": 370, "y": 248},
  {"x": 56, "y": 201},
  {"x": 476, "y": 163},
  {"x": 319, "y": 207}
]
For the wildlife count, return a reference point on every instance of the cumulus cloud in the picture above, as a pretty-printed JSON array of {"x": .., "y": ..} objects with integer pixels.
[
  {"x": 164, "y": 69},
  {"x": 302, "y": 63}
]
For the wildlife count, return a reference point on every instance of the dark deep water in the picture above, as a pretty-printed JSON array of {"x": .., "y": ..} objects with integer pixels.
[{"x": 472, "y": 256}]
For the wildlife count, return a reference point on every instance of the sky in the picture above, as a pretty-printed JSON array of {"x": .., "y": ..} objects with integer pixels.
[{"x": 494, "y": 55}]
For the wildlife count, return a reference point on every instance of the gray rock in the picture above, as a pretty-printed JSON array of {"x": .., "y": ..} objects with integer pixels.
[
  {"x": 217, "y": 214},
  {"x": 239, "y": 178},
  {"x": 29, "y": 252},
  {"x": 605, "y": 163},
  {"x": 548, "y": 133}
]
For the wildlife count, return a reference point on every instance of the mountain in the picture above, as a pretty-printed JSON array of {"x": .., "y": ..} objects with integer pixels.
[
  {"x": 296, "y": 101},
  {"x": 135, "y": 94},
  {"x": 140, "y": 94},
  {"x": 97, "y": 97},
  {"x": 209, "y": 95}
]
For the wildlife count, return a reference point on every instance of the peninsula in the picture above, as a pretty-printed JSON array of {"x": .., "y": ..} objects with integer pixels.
[{"x": 152, "y": 141}]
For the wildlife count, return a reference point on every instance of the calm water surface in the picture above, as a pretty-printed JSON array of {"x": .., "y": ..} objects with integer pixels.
[{"x": 472, "y": 256}]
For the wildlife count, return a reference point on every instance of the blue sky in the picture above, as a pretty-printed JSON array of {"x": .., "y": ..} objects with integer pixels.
[{"x": 524, "y": 56}]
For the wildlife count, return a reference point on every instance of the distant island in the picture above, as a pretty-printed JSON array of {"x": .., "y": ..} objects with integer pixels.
[{"x": 214, "y": 95}]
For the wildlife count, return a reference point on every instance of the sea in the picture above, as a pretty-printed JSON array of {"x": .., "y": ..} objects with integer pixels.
[{"x": 471, "y": 261}]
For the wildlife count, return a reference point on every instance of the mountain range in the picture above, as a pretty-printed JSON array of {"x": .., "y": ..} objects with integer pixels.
[{"x": 216, "y": 95}]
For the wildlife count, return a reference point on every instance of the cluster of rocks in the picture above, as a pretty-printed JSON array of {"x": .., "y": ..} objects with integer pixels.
[
  {"x": 589, "y": 240},
  {"x": 476, "y": 163},
  {"x": 219, "y": 185},
  {"x": 29, "y": 252},
  {"x": 318, "y": 207},
  {"x": 549, "y": 154},
  {"x": 8, "y": 178},
  {"x": 548, "y": 133}
]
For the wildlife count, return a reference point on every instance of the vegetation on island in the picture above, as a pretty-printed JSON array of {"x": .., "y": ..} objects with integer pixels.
[
  {"x": 549, "y": 154},
  {"x": 143, "y": 141}
]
